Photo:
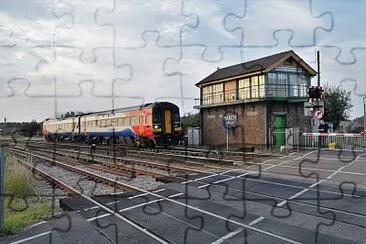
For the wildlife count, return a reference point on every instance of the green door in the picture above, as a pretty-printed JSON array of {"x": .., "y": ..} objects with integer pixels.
[{"x": 280, "y": 121}]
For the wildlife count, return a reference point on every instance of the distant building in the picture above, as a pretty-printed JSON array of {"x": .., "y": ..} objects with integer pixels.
[
  {"x": 344, "y": 126},
  {"x": 356, "y": 126},
  {"x": 260, "y": 98}
]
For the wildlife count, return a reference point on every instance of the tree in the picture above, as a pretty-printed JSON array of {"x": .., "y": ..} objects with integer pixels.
[
  {"x": 190, "y": 120},
  {"x": 337, "y": 105}
]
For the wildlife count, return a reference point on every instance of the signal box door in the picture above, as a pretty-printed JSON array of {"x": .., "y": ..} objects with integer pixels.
[
  {"x": 280, "y": 130},
  {"x": 168, "y": 121}
]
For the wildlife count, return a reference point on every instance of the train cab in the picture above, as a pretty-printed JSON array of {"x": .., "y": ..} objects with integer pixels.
[{"x": 166, "y": 123}]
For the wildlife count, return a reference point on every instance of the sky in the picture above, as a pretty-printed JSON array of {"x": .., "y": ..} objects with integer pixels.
[{"x": 91, "y": 55}]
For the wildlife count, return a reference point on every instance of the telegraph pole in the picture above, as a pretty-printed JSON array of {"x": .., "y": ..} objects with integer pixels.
[
  {"x": 364, "y": 114},
  {"x": 318, "y": 62}
]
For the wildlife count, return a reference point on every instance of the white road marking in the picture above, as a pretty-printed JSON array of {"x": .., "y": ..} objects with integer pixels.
[
  {"x": 322, "y": 170},
  {"x": 229, "y": 235},
  {"x": 205, "y": 212},
  {"x": 207, "y": 176},
  {"x": 223, "y": 180},
  {"x": 144, "y": 194},
  {"x": 32, "y": 237},
  {"x": 43, "y": 222},
  {"x": 256, "y": 221},
  {"x": 203, "y": 186},
  {"x": 321, "y": 181}
]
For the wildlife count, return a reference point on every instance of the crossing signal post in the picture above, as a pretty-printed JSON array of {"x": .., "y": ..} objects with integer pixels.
[
  {"x": 316, "y": 93},
  {"x": 315, "y": 106}
]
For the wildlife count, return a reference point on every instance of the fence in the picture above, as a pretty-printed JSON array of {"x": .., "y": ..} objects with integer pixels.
[{"x": 343, "y": 141}]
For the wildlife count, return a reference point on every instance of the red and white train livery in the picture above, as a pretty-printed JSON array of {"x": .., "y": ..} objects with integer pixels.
[{"x": 155, "y": 124}]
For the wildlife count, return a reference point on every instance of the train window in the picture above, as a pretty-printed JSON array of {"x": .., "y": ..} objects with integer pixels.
[
  {"x": 147, "y": 119},
  {"x": 114, "y": 122},
  {"x": 134, "y": 120},
  {"x": 157, "y": 116},
  {"x": 119, "y": 121},
  {"x": 124, "y": 121},
  {"x": 176, "y": 116}
]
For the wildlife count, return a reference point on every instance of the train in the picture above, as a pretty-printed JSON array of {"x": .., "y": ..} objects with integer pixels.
[{"x": 150, "y": 124}]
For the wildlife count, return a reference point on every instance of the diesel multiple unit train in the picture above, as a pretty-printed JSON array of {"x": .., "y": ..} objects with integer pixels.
[{"x": 151, "y": 124}]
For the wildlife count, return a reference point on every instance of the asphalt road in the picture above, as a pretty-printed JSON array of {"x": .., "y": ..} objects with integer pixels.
[{"x": 301, "y": 198}]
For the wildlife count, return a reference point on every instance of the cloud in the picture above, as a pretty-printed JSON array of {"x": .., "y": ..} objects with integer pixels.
[{"x": 84, "y": 66}]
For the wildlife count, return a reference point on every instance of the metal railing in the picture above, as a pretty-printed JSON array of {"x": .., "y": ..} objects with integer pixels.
[
  {"x": 342, "y": 141},
  {"x": 248, "y": 93}
]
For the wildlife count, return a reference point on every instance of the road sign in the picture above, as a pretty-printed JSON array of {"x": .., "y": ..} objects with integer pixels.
[
  {"x": 230, "y": 120},
  {"x": 318, "y": 114},
  {"x": 309, "y": 108}
]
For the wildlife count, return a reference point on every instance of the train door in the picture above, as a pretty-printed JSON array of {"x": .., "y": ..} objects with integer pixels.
[
  {"x": 73, "y": 127},
  {"x": 168, "y": 120}
]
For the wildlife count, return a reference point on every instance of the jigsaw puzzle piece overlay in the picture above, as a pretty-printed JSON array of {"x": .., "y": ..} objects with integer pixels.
[
  {"x": 209, "y": 27},
  {"x": 352, "y": 77},
  {"x": 187, "y": 68},
  {"x": 24, "y": 69},
  {"x": 269, "y": 18},
  {"x": 24, "y": 27},
  {"x": 6, "y": 36},
  {"x": 349, "y": 33},
  {"x": 101, "y": 74},
  {"x": 129, "y": 35},
  {"x": 81, "y": 19},
  {"x": 144, "y": 81}
]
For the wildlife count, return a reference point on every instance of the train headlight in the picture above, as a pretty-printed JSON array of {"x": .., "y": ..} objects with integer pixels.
[{"x": 156, "y": 126}]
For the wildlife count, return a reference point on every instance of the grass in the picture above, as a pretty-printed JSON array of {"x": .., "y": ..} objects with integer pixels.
[{"x": 25, "y": 207}]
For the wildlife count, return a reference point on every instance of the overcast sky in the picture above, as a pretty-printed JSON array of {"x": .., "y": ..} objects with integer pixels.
[{"x": 58, "y": 56}]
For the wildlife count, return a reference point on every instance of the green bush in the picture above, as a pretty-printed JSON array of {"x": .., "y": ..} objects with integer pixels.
[{"x": 18, "y": 180}]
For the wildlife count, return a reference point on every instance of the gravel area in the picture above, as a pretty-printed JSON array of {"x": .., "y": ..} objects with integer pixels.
[
  {"x": 167, "y": 159},
  {"x": 52, "y": 195},
  {"x": 79, "y": 182},
  {"x": 118, "y": 161}
]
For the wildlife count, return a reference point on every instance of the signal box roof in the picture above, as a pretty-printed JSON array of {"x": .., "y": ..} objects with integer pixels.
[{"x": 264, "y": 64}]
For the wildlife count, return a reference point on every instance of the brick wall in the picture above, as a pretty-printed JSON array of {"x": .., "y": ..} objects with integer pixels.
[
  {"x": 251, "y": 129},
  {"x": 294, "y": 115},
  {"x": 249, "y": 132}
]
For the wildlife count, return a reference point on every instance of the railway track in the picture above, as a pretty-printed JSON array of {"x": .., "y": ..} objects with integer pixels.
[
  {"x": 48, "y": 177},
  {"x": 228, "y": 183},
  {"x": 196, "y": 154},
  {"x": 124, "y": 166},
  {"x": 90, "y": 175},
  {"x": 72, "y": 191}
]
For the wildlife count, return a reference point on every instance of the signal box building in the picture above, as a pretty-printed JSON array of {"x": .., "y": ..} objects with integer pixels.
[{"x": 253, "y": 103}]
